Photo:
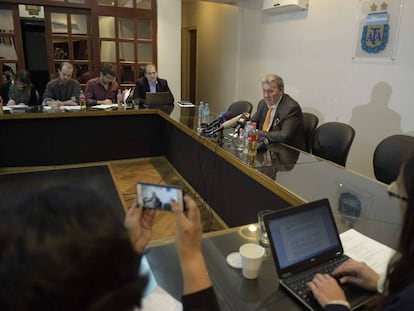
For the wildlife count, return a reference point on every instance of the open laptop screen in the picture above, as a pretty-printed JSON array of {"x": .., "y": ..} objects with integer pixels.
[{"x": 303, "y": 233}]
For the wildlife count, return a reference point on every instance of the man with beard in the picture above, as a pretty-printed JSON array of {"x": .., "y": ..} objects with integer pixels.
[{"x": 62, "y": 91}]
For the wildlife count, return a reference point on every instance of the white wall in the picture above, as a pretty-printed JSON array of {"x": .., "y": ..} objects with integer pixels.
[
  {"x": 312, "y": 51},
  {"x": 169, "y": 44}
]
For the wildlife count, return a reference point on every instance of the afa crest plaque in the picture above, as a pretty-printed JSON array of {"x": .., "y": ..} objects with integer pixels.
[{"x": 375, "y": 32}]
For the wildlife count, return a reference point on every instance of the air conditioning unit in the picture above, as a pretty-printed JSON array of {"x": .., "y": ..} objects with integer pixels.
[{"x": 284, "y": 6}]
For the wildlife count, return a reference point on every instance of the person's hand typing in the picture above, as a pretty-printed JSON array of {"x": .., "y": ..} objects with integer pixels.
[
  {"x": 358, "y": 273},
  {"x": 138, "y": 222},
  {"x": 11, "y": 102},
  {"x": 325, "y": 289}
]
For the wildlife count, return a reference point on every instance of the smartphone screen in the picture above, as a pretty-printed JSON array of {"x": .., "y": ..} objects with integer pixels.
[{"x": 159, "y": 196}]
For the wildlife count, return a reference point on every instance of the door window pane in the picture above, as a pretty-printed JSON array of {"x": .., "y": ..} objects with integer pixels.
[
  {"x": 106, "y": 27},
  {"x": 127, "y": 74},
  {"x": 6, "y": 20},
  {"x": 108, "y": 51},
  {"x": 144, "y": 4},
  {"x": 82, "y": 73},
  {"x": 126, "y": 51},
  {"x": 61, "y": 49},
  {"x": 106, "y": 2},
  {"x": 79, "y": 24},
  {"x": 145, "y": 52},
  {"x": 125, "y": 3},
  {"x": 59, "y": 23},
  {"x": 80, "y": 49},
  {"x": 144, "y": 29},
  {"x": 126, "y": 28}
]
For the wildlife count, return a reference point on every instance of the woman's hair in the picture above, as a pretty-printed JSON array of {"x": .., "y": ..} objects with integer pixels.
[
  {"x": 67, "y": 249},
  {"x": 24, "y": 77},
  {"x": 400, "y": 272}
]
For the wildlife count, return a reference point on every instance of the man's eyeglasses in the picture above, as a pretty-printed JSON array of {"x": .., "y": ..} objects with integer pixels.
[{"x": 394, "y": 192}]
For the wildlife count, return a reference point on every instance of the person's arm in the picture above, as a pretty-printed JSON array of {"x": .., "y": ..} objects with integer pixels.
[
  {"x": 138, "y": 222},
  {"x": 188, "y": 243},
  {"x": 357, "y": 273},
  {"x": 167, "y": 89},
  {"x": 49, "y": 94},
  {"x": 74, "y": 93},
  {"x": 90, "y": 94},
  {"x": 198, "y": 291},
  {"x": 327, "y": 291},
  {"x": 139, "y": 92}
]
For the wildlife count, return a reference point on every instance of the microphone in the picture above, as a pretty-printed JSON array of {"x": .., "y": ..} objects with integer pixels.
[
  {"x": 262, "y": 143},
  {"x": 221, "y": 118},
  {"x": 242, "y": 121},
  {"x": 226, "y": 124}
]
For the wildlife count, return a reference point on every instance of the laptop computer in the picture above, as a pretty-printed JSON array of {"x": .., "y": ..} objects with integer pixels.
[
  {"x": 157, "y": 100},
  {"x": 304, "y": 241}
]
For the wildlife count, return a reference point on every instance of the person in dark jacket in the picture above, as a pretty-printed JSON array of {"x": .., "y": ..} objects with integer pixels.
[{"x": 151, "y": 83}]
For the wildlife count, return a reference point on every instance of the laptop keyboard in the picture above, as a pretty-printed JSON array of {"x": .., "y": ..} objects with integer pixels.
[{"x": 298, "y": 282}]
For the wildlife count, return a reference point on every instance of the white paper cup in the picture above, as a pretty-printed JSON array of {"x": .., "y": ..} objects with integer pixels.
[{"x": 252, "y": 257}]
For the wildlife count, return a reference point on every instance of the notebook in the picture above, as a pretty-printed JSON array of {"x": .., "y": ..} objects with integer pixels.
[
  {"x": 157, "y": 100},
  {"x": 304, "y": 241}
]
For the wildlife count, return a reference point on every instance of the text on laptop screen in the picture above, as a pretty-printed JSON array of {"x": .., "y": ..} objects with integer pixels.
[{"x": 304, "y": 235}]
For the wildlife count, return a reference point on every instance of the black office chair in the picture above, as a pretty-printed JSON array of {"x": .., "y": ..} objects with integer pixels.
[
  {"x": 310, "y": 122},
  {"x": 240, "y": 106},
  {"x": 332, "y": 141},
  {"x": 388, "y": 156}
]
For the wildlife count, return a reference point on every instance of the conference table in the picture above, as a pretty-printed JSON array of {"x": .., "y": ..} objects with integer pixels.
[{"x": 235, "y": 186}]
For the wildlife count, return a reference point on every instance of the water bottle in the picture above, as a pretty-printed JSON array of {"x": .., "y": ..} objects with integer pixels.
[
  {"x": 119, "y": 99},
  {"x": 82, "y": 101},
  {"x": 200, "y": 114},
  {"x": 246, "y": 134},
  {"x": 206, "y": 114}
]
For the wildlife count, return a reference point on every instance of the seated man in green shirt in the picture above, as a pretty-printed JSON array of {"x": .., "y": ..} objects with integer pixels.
[{"x": 62, "y": 91}]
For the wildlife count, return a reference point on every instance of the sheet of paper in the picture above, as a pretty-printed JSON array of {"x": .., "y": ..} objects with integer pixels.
[
  {"x": 104, "y": 107},
  {"x": 362, "y": 248}
]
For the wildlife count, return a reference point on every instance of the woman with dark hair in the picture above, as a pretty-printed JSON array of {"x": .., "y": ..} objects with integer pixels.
[
  {"x": 396, "y": 290},
  {"x": 22, "y": 91},
  {"x": 65, "y": 248}
]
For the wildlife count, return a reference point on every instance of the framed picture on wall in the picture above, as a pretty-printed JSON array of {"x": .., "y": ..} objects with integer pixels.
[{"x": 377, "y": 29}]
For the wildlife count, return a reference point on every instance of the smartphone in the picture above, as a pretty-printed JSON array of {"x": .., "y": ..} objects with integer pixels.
[{"x": 159, "y": 196}]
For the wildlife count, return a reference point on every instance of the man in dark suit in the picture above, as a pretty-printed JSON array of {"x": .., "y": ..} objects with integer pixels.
[
  {"x": 151, "y": 83},
  {"x": 279, "y": 117}
]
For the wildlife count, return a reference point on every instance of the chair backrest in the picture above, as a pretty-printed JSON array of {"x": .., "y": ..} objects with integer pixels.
[
  {"x": 240, "y": 106},
  {"x": 388, "y": 156},
  {"x": 310, "y": 122},
  {"x": 332, "y": 141}
]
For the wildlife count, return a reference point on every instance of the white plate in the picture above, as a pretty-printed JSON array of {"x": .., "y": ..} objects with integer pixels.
[{"x": 234, "y": 260}]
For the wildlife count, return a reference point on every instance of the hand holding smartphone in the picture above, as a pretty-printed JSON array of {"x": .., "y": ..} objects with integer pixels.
[{"x": 159, "y": 196}]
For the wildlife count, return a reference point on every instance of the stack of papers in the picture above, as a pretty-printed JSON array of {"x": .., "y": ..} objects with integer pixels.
[{"x": 362, "y": 248}]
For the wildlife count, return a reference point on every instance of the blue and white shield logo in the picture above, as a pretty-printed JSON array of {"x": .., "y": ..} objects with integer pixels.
[{"x": 375, "y": 32}]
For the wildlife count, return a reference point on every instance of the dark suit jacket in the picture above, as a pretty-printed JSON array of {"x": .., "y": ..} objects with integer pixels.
[
  {"x": 289, "y": 129},
  {"x": 142, "y": 87}
]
